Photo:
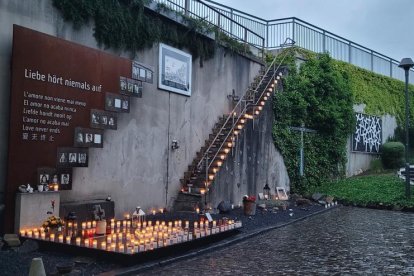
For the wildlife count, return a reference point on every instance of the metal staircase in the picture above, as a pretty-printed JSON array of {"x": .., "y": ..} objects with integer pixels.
[{"x": 211, "y": 157}]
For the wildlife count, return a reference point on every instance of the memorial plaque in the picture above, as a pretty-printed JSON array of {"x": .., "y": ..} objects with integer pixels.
[
  {"x": 72, "y": 157},
  {"x": 88, "y": 137},
  {"x": 117, "y": 103},
  {"x": 103, "y": 119}
]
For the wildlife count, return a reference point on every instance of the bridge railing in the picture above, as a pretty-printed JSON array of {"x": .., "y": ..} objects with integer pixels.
[{"x": 270, "y": 34}]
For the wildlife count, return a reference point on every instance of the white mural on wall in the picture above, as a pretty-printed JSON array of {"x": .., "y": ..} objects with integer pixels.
[{"x": 368, "y": 134}]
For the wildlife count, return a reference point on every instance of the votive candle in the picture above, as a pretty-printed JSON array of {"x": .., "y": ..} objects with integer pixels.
[
  {"x": 36, "y": 234},
  {"x": 94, "y": 224},
  {"x": 52, "y": 237},
  {"x": 83, "y": 225},
  {"x": 43, "y": 235},
  {"x": 121, "y": 248},
  {"x": 88, "y": 224},
  {"x": 68, "y": 239},
  {"x": 103, "y": 245},
  {"x": 78, "y": 241},
  {"x": 108, "y": 239},
  {"x": 29, "y": 233},
  {"x": 118, "y": 224},
  {"x": 95, "y": 244},
  {"x": 60, "y": 238}
]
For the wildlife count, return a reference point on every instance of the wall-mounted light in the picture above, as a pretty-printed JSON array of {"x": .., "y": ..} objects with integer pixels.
[{"x": 174, "y": 145}]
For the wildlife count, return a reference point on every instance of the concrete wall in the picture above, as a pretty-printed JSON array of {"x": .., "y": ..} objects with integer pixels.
[
  {"x": 359, "y": 162},
  {"x": 254, "y": 162},
  {"x": 136, "y": 165}
]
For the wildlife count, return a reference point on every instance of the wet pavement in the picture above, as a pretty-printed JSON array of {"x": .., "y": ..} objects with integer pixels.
[{"x": 343, "y": 241}]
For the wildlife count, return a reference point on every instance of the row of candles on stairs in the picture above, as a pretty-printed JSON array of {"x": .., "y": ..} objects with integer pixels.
[{"x": 147, "y": 236}]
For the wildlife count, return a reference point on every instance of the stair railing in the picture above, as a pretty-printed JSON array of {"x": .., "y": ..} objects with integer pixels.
[{"x": 236, "y": 114}]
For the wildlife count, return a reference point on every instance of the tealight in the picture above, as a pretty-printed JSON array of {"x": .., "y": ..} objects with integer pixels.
[
  {"x": 118, "y": 224},
  {"x": 22, "y": 233},
  {"x": 83, "y": 225},
  {"x": 68, "y": 239},
  {"x": 29, "y": 233},
  {"x": 43, "y": 235},
  {"x": 108, "y": 239},
  {"x": 103, "y": 245},
  {"x": 78, "y": 241},
  {"x": 95, "y": 244},
  {"x": 94, "y": 224},
  {"x": 60, "y": 238},
  {"x": 36, "y": 234},
  {"x": 121, "y": 248},
  {"x": 88, "y": 224},
  {"x": 52, "y": 237}
]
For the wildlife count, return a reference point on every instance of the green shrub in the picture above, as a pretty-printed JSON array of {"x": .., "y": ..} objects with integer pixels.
[
  {"x": 392, "y": 155},
  {"x": 376, "y": 166}
]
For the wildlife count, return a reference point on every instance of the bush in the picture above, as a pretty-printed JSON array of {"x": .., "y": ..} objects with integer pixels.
[{"x": 392, "y": 155}]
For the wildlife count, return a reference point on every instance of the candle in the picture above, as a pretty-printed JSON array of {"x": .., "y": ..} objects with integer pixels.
[
  {"x": 88, "y": 224},
  {"x": 127, "y": 216},
  {"x": 198, "y": 210},
  {"x": 94, "y": 224},
  {"x": 108, "y": 239},
  {"x": 118, "y": 224},
  {"x": 195, "y": 224},
  {"x": 128, "y": 224},
  {"x": 103, "y": 245},
  {"x": 201, "y": 224},
  {"x": 52, "y": 237},
  {"x": 128, "y": 237},
  {"x": 69, "y": 224},
  {"x": 83, "y": 225},
  {"x": 78, "y": 241},
  {"x": 60, "y": 238},
  {"x": 95, "y": 244},
  {"x": 68, "y": 239},
  {"x": 36, "y": 234},
  {"x": 29, "y": 233},
  {"x": 130, "y": 249},
  {"x": 153, "y": 212},
  {"x": 121, "y": 248},
  {"x": 124, "y": 222},
  {"x": 161, "y": 210},
  {"x": 56, "y": 187},
  {"x": 113, "y": 247},
  {"x": 187, "y": 224},
  {"x": 120, "y": 237},
  {"x": 214, "y": 223},
  {"x": 22, "y": 233},
  {"x": 43, "y": 235}
]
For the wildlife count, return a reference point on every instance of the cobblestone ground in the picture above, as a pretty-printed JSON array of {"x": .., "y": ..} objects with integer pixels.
[{"x": 344, "y": 241}]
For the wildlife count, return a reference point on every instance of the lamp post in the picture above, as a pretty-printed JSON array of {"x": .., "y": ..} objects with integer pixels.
[{"x": 406, "y": 64}]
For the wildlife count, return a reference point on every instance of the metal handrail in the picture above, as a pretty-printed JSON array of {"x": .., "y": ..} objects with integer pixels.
[{"x": 231, "y": 116}]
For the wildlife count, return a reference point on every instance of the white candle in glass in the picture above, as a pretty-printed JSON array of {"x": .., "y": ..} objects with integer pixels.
[{"x": 68, "y": 239}]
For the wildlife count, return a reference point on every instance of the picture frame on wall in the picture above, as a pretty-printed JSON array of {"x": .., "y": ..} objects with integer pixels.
[
  {"x": 88, "y": 137},
  {"x": 103, "y": 119},
  {"x": 117, "y": 103},
  {"x": 45, "y": 175},
  {"x": 72, "y": 157},
  {"x": 174, "y": 70},
  {"x": 65, "y": 178},
  {"x": 130, "y": 87},
  {"x": 142, "y": 72}
]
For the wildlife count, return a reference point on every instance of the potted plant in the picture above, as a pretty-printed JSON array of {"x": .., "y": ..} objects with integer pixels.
[
  {"x": 249, "y": 205},
  {"x": 99, "y": 215}
]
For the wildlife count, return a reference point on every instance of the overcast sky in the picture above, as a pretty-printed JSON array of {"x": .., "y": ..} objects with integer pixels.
[{"x": 386, "y": 26}]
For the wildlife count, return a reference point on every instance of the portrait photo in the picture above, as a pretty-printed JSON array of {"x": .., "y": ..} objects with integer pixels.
[
  {"x": 63, "y": 158},
  {"x": 125, "y": 104},
  {"x": 82, "y": 158},
  {"x": 123, "y": 84},
  {"x": 95, "y": 118},
  {"x": 79, "y": 137},
  {"x": 72, "y": 157},
  {"x": 44, "y": 179},
  {"x": 89, "y": 138},
  {"x": 104, "y": 120},
  {"x": 111, "y": 121},
  {"x": 64, "y": 179}
]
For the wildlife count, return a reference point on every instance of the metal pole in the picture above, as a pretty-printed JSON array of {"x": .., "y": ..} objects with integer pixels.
[{"x": 407, "y": 125}]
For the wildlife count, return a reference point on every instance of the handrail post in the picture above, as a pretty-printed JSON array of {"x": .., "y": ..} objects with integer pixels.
[
  {"x": 293, "y": 29},
  {"x": 349, "y": 53},
  {"x": 187, "y": 7},
  {"x": 372, "y": 61},
  {"x": 231, "y": 22},
  {"x": 324, "y": 41},
  {"x": 218, "y": 21},
  {"x": 390, "y": 68},
  {"x": 267, "y": 34},
  {"x": 245, "y": 40}
]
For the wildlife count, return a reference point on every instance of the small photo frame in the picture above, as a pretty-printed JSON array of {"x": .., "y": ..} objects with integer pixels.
[
  {"x": 65, "y": 179},
  {"x": 281, "y": 193},
  {"x": 174, "y": 71},
  {"x": 74, "y": 157},
  {"x": 117, "y": 103},
  {"x": 45, "y": 175},
  {"x": 88, "y": 137},
  {"x": 103, "y": 119}
]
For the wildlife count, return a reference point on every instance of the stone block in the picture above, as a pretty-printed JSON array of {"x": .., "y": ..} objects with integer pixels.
[
  {"x": 11, "y": 240},
  {"x": 32, "y": 209}
]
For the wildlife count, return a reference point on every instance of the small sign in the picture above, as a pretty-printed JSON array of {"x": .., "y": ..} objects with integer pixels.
[
  {"x": 281, "y": 193},
  {"x": 142, "y": 72},
  {"x": 130, "y": 87}
]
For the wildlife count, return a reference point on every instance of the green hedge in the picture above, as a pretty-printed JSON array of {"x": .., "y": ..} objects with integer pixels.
[{"x": 392, "y": 155}]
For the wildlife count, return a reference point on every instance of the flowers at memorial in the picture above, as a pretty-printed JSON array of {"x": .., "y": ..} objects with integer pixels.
[
  {"x": 52, "y": 222},
  {"x": 248, "y": 198}
]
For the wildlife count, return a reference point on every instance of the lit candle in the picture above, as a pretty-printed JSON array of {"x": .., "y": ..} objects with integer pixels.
[
  {"x": 118, "y": 224},
  {"x": 121, "y": 248},
  {"x": 113, "y": 247},
  {"x": 108, "y": 239},
  {"x": 130, "y": 249},
  {"x": 83, "y": 225},
  {"x": 128, "y": 237},
  {"x": 60, "y": 238},
  {"x": 94, "y": 224},
  {"x": 88, "y": 224},
  {"x": 128, "y": 224},
  {"x": 36, "y": 234},
  {"x": 214, "y": 223},
  {"x": 201, "y": 224},
  {"x": 78, "y": 241},
  {"x": 56, "y": 187},
  {"x": 187, "y": 224},
  {"x": 127, "y": 216},
  {"x": 29, "y": 233},
  {"x": 161, "y": 210},
  {"x": 198, "y": 210},
  {"x": 22, "y": 233},
  {"x": 120, "y": 237},
  {"x": 43, "y": 235},
  {"x": 195, "y": 224},
  {"x": 69, "y": 224},
  {"x": 52, "y": 237},
  {"x": 95, "y": 244},
  {"x": 103, "y": 245},
  {"x": 68, "y": 239}
]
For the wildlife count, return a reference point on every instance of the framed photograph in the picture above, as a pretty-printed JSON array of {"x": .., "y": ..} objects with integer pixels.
[
  {"x": 142, "y": 72},
  {"x": 45, "y": 175},
  {"x": 116, "y": 103},
  {"x": 103, "y": 119},
  {"x": 72, "y": 157},
  {"x": 174, "y": 72},
  {"x": 281, "y": 193},
  {"x": 65, "y": 178},
  {"x": 88, "y": 137}
]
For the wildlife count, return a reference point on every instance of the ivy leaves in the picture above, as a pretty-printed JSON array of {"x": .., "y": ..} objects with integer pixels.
[{"x": 319, "y": 97}]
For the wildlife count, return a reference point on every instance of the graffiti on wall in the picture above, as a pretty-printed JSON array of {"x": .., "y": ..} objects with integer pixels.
[{"x": 368, "y": 133}]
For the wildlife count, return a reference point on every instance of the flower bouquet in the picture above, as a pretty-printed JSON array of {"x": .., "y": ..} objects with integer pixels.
[
  {"x": 53, "y": 222},
  {"x": 249, "y": 205}
]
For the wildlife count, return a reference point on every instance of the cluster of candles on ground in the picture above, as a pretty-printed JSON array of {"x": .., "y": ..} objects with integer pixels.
[{"x": 130, "y": 236}]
